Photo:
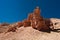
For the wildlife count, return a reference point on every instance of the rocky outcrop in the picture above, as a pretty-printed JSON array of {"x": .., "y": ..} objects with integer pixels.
[
  {"x": 31, "y": 28},
  {"x": 55, "y": 22},
  {"x": 34, "y": 20}
]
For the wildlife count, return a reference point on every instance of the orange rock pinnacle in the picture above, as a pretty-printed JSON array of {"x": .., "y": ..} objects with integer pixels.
[{"x": 37, "y": 11}]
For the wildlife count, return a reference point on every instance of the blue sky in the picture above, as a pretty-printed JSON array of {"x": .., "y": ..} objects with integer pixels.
[{"x": 18, "y": 10}]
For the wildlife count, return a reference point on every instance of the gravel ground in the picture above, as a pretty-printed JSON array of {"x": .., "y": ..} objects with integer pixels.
[{"x": 29, "y": 33}]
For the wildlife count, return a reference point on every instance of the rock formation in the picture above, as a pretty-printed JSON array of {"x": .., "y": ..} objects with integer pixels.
[
  {"x": 30, "y": 28},
  {"x": 55, "y": 22},
  {"x": 35, "y": 20}
]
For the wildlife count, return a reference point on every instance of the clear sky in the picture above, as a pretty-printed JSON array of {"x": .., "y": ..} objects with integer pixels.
[{"x": 18, "y": 10}]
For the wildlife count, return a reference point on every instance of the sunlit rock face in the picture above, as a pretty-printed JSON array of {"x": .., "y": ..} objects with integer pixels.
[
  {"x": 26, "y": 23},
  {"x": 56, "y": 22}
]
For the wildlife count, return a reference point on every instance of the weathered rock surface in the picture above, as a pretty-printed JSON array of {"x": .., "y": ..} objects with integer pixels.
[
  {"x": 56, "y": 23},
  {"x": 31, "y": 28},
  {"x": 29, "y": 33}
]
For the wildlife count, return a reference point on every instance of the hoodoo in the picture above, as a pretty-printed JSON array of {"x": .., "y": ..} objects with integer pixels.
[
  {"x": 34, "y": 20},
  {"x": 37, "y": 21}
]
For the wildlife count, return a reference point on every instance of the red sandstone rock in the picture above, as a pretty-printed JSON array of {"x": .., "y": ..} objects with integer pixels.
[
  {"x": 49, "y": 24},
  {"x": 37, "y": 21},
  {"x": 26, "y": 23},
  {"x": 11, "y": 28},
  {"x": 30, "y": 16},
  {"x": 39, "y": 24},
  {"x": 19, "y": 24},
  {"x": 37, "y": 11}
]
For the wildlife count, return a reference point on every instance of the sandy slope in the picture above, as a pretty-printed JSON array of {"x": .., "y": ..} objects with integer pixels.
[{"x": 29, "y": 33}]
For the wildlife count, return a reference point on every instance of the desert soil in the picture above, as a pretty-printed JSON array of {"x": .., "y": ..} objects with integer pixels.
[{"x": 29, "y": 33}]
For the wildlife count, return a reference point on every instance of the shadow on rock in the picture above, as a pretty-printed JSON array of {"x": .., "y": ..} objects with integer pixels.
[{"x": 56, "y": 30}]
